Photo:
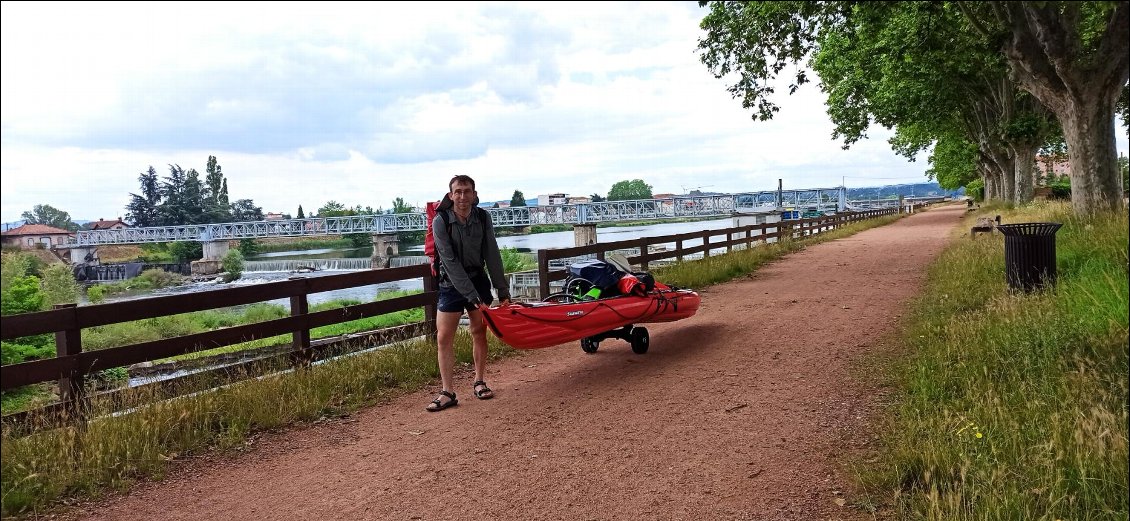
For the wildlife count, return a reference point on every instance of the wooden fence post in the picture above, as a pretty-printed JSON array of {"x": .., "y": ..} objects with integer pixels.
[
  {"x": 543, "y": 273},
  {"x": 301, "y": 355},
  {"x": 72, "y": 388},
  {"x": 643, "y": 253}
]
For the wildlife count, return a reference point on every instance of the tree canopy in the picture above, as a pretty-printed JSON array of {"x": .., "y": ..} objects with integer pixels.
[
  {"x": 50, "y": 216},
  {"x": 518, "y": 199},
  {"x": 629, "y": 190},
  {"x": 183, "y": 198},
  {"x": 943, "y": 72}
]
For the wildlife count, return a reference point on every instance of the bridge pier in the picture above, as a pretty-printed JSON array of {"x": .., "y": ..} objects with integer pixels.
[
  {"x": 584, "y": 234},
  {"x": 214, "y": 252},
  {"x": 84, "y": 255},
  {"x": 385, "y": 247}
]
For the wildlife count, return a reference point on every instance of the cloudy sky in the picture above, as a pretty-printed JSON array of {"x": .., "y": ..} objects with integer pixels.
[{"x": 364, "y": 102}]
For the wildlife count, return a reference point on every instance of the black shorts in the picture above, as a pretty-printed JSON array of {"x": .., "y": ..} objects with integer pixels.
[{"x": 451, "y": 301}]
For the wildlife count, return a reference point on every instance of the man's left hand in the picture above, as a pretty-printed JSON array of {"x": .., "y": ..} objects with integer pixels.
[{"x": 503, "y": 302}]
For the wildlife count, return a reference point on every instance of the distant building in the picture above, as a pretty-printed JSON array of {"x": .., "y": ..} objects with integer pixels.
[
  {"x": 272, "y": 216},
  {"x": 662, "y": 196},
  {"x": 32, "y": 236},
  {"x": 584, "y": 199},
  {"x": 553, "y": 199},
  {"x": 1058, "y": 168},
  {"x": 102, "y": 224}
]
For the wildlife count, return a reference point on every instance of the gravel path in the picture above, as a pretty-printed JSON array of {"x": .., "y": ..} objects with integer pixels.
[{"x": 744, "y": 411}]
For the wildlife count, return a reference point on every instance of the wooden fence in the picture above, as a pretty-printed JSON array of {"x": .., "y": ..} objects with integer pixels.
[
  {"x": 711, "y": 240},
  {"x": 72, "y": 365}
]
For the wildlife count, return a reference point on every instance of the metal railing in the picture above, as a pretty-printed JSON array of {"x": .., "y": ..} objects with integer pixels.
[{"x": 820, "y": 199}]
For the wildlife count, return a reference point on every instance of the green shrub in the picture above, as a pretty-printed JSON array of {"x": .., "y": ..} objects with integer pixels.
[
  {"x": 59, "y": 286},
  {"x": 248, "y": 247},
  {"x": 96, "y": 294},
  {"x": 13, "y": 353},
  {"x": 514, "y": 260},
  {"x": 233, "y": 265},
  {"x": 22, "y": 296},
  {"x": 186, "y": 251},
  {"x": 158, "y": 278},
  {"x": 17, "y": 264}
]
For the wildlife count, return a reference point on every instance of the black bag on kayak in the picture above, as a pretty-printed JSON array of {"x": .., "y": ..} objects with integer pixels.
[{"x": 601, "y": 274}]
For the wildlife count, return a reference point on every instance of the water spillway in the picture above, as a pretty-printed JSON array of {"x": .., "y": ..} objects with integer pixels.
[{"x": 346, "y": 264}]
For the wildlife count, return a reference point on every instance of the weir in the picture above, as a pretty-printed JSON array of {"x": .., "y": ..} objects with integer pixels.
[{"x": 344, "y": 264}]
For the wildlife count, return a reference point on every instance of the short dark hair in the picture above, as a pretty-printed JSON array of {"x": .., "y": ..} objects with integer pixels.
[{"x": 460, "y": 179}]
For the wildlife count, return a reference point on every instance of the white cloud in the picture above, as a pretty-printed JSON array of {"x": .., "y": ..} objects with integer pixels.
[{"x": 303, "y": 103}]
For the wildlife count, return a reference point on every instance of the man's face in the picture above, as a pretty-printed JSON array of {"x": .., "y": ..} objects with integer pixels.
[{"x": 463, "y": 195}]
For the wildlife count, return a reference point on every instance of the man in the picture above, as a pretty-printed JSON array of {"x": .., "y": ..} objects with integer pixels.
[{"x": 467, "y": 250}]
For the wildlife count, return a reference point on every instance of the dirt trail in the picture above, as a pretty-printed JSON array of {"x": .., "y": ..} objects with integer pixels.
[{"x": 741, "y": 412}]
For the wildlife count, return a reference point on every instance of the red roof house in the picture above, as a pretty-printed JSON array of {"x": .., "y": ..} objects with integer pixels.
[{"x": 31, "y": 236}]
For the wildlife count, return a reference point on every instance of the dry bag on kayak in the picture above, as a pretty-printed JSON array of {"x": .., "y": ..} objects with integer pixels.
[{"x": 601, "y": 274}]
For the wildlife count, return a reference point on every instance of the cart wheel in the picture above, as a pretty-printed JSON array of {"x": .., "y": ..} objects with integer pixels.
[
  {"x": 589, "y": 345},
  {"x": 640, "y": 340}
]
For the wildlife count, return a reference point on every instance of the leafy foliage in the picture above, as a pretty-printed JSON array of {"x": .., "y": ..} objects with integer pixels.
[
  {"x": 186, "y": 251},
  {"x": 59, "y": 286},
  {"x": 22, "y": 296},
  {"x": 233, "y": 265},
  {"x": 514, "y": 260},
  {"x": 629, "y": 190},
  {"x": 142, "y": 209},
  {"x": 50, "y": 216},
  {"x": 183, "y": 198},
  {"x": 518, "y": 199},
  {"x": 248, "y": 247},
  {"x": 935, "y": 69}
]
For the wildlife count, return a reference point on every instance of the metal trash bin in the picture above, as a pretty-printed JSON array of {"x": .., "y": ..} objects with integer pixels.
[{"x": 1029, "y": 255}]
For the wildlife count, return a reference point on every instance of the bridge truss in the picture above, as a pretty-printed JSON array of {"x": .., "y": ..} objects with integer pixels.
[{"x": 723, "y": 205}]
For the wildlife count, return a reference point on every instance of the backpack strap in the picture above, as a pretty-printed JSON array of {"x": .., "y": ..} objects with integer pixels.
[{"x": 440, "y": 273}]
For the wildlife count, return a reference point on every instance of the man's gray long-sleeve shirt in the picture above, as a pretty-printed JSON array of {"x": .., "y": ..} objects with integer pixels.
[{"x": 464, "y": 252}]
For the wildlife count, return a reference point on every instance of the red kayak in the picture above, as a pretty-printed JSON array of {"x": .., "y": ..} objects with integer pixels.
[{"x": 544, "y": 324}]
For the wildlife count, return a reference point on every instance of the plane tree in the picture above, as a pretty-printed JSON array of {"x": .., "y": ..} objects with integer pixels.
[{"x": 923, "y": 70}]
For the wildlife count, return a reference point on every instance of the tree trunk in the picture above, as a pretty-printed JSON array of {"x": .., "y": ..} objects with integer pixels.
[
  {"x": 1096, "y": 183},
  {"x": 1025, "y": 170},
  {"x": 992, "y": 184},
  {"x": 1004, "y": 165},
  {"x": 1080, "y": 85}
]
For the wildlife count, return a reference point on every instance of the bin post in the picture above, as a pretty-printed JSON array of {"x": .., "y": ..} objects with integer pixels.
[{"x": 1029, "y": 255}]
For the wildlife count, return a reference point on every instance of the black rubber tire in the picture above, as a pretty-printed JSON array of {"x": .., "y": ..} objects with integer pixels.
[
  {"x": 640, "y": 340},
  {"x": 589, "y": 345}
]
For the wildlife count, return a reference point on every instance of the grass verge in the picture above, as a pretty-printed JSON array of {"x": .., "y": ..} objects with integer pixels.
[{"x": 1012, "y": 406}]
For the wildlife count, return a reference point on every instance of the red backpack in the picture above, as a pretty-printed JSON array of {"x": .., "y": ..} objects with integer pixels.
[{"x": 431, "y": 209}]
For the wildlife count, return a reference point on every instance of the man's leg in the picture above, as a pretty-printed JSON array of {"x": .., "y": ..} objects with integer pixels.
[
  {"x": 479, "y": 350},
  {"x": 479, "y": 342},
  {"x": 446, "y": 324}
]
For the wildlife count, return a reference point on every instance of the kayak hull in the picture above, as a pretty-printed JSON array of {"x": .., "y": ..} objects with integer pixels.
[{"x": 545, "y": 324}]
